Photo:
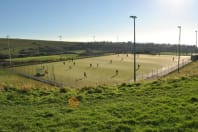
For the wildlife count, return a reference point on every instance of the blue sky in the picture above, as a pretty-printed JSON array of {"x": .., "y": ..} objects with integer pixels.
[{"x": 107, "y": 20}]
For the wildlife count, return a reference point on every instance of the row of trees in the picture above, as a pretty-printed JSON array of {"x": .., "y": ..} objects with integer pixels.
[{"x": 39, "y": 48}]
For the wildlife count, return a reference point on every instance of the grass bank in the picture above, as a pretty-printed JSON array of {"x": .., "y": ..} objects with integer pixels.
[{"x": 168, "y": 104}]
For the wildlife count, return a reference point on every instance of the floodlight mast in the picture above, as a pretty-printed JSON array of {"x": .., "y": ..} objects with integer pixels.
[
  {"x": 196, "y": 40},
  {"x": 179, "y": 47},
  {"x": 9, "y": 51},
  {"x": 134, "y": 48}
]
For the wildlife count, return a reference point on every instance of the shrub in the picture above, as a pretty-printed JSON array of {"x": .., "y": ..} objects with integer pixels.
[
  {"x": 123, "y": 85},
  {"x": 95, "y": 90},
  {"x": 193, "y": 99},
  {"x": 80, "y": 97},
  {"x": 63, "y": 90}
]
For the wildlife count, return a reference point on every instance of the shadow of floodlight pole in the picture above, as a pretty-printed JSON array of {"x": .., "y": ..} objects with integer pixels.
[{"x": 134, "y": 48}]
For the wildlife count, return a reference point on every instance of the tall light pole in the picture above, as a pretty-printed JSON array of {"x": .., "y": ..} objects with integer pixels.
[
  {"x": 9, "y": 51},
  {"x": 196, "y": 41},
  {"x": 179, "y": 47},
  {"x": 134, "y": 48}
]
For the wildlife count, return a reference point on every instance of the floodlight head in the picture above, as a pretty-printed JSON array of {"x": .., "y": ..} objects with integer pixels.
[
  {"x": 179, "y": 26},
  {"x": 134, "y": 17},
  {"x": 196, "y": 31}
]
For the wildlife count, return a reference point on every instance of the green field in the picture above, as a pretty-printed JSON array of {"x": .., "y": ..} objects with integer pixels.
[
  {"x": 167, "y": 105},
  {"x": 102, "y": 71}
]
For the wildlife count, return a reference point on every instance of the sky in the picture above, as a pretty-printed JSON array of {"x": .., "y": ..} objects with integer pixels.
[{"x": 100, "y": 20}]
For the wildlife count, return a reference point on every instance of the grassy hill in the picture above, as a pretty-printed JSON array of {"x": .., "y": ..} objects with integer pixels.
[
  {"x": 29, "y": 48},
  {"x": 23, "y": 47},
  {"x": 37, "y": 51},
  {"x": 26, "y": 51},
  {"x": 168, "y": 104}
]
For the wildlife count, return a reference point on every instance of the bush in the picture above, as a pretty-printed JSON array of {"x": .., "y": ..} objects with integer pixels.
[
  {"x": 63, "y": 90},
  {"x": 123, "y": 85},
  {"x": 95, "y": 90},
  {"x": 80, "y": 97},
  {"x": 193, "y": 99}
]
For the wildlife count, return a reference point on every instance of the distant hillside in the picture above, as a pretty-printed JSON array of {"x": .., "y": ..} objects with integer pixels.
[{"x": 27, "y": 48}]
